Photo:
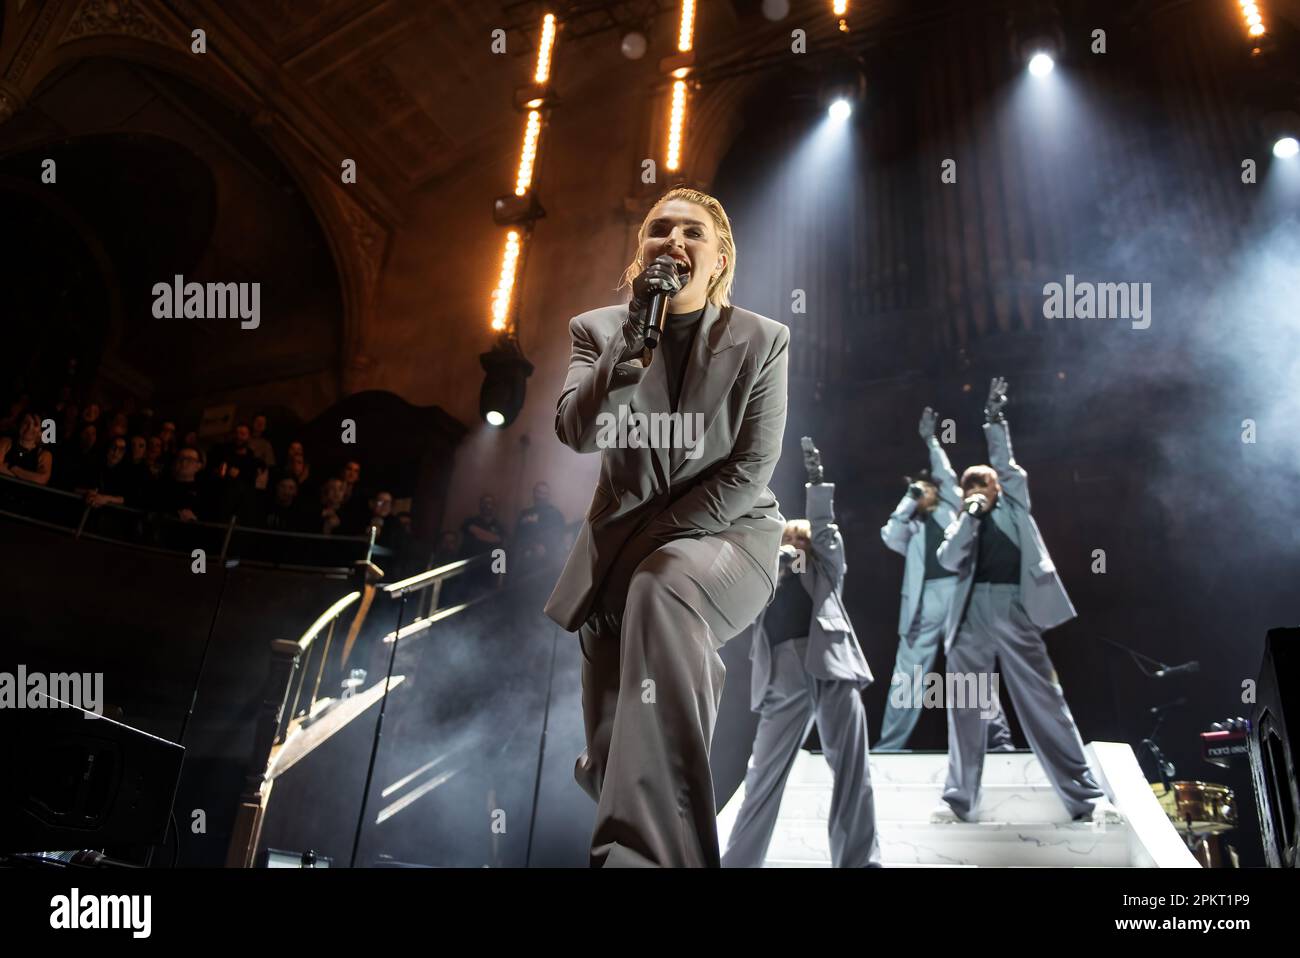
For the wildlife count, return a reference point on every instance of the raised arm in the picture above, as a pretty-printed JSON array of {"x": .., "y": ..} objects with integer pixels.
[
  {"x": 819, "y": 504},
  {"x": 941, "y": 470},
  {"x": 1013, "y": 479},
  {"x": 733, "y": 488}
]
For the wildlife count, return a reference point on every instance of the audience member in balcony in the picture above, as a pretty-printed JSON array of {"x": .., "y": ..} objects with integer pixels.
[
  {"x": 285, "y": 512},
  {"x": 479, "y": 535},
  {"x": 118, "y": 425},
  {"x": 389, "y": 531},
  {"x": 79, "y": 468},
  {"x": 242, "y": 464},
  {"x": 331, "y": 502},
  {"x": 448, "y": 548},
  {"x": 115, "y": 481},
  {"x": 182, "y": 495},
  {"x": 167, "y": 433},
  {"x": 26, "y": 457},
  {"x": 355, "y": 512},
  {"x": 258, "y": 442},
  {"x": 299, "y": 470},
  {"x": 69, "y": 421},
  {"x": 539, "y": 531},
  {"x": 154, "y": 465},
  {"x": 13, "y": 418},
  {"x": 137, "y": 446},
  {"x": 90, "y": 414}
]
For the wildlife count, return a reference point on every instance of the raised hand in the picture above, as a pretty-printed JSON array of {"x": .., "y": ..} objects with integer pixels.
[
  {"x": 812, "y": 460},
  {"x": 928, "y": 419},
  {"x": 997, "y": 400}
]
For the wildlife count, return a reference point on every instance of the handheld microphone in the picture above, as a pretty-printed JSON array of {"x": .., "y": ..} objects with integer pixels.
[
  {"x": 657, "y": 311},
  {"x": 972, "y": 508}
]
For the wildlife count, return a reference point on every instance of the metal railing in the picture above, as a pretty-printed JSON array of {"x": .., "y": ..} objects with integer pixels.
[{"x": 69, "y": 513}]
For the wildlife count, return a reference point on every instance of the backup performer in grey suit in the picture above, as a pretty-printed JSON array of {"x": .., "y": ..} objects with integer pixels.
[
  {"x": 809, "y": 667},
  {"x": 915, "y": 530},
  {"x": 678, "y": 552},
  {"x": 1008, "y": 594}
]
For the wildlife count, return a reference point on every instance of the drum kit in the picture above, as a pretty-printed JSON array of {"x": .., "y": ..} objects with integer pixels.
[{"x": 1204, "y": 812}]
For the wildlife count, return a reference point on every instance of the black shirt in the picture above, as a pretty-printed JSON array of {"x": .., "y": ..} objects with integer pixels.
[
  {"x": 790, "y": 613},
  {"x": 999, "y": 558},
  {"x": 933, "y": 539},
  {"x": 676, "y": 344}
]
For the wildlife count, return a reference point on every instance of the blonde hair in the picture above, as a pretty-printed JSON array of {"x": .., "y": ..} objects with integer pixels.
[
  {"x": 720, "y": 288},
  {"x": 798, "y": 527}
]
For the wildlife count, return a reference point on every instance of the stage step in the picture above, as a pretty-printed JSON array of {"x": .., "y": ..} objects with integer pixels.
[{"x": 1022, "y": 822}]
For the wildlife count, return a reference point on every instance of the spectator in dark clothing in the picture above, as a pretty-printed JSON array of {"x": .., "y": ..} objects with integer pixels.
[
  {"x": 389, "y": 531},
  {"x": 79, "y": 468},
  {"x": 354, "y": 512},
  {"x": 258, "y": 442},
  {"x": 298, "y": 469},
  {"x": 331, "y": 501},
  {"x": 114, "y": 481},
  {"x": 285, "y": 513},
  {"x": 26, "y": 457},
  {"x": 137, "y": 446},
  {"x": 154, "y": 463},
  {"x": 479, "y": 535},
  {"x": 167, "y": 433},
  {"x": 181, "y": 495},
  {"x": 539, "y": 531},
  {"x": 448, "y": 548},
  {"x": 242, "y": 464}
]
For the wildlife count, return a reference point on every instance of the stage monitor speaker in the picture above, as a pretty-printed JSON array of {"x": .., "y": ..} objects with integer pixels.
[
  {"x": 1275, "y": 746},
  {"x": 70, "y": 779}
]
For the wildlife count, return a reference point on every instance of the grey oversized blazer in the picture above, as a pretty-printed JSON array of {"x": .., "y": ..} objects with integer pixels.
[
  {"x": 833, "y": 650},
  {"x": 1041, "y": 592},
  {"x": 736, "y": 383}
]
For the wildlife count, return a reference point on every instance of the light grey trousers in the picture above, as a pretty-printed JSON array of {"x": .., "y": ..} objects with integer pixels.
[
  {"x": 793, "y": 701},
  {"x": 917, "y": 652},
  {"x": 996, "y": 633},
  {"x": 651, "y": 683}
]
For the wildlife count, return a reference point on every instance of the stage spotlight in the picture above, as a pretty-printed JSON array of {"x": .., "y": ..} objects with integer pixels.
[
  {"x": 505, "y": 384},
  {"x": 1281, "y": 127},
  {"x": 1037, "y": 38},
  {"x": 1040, "y": 64},
  {"x": 844, "y": 88}
]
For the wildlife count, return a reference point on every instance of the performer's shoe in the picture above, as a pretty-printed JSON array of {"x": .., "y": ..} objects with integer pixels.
[
  {"x": 943, "y": 814},
  {"x": 1102, "y": 813}
]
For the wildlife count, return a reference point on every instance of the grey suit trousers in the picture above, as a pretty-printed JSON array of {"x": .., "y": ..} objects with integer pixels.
[
  {"x": 794, "y": 700},
  {"x": 917, "y": 651},
  {"x": 996, "y": 632},
  {"x": 651, "y": 683}
]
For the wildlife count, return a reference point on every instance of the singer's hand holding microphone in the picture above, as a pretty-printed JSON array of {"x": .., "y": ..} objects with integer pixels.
[
  {"x": 976, "y": 503},
  {"x": 651, "y": 291}
]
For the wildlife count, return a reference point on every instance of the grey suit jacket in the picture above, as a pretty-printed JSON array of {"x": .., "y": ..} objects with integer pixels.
[
  {"x": 904, "y": 531},
  {"x": 833, "y": 649},
  {"x": 735, "y": 384},
  {"x": 1041, "y": 592}
]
